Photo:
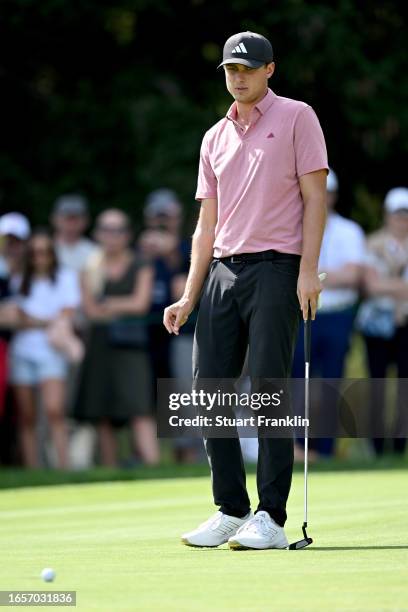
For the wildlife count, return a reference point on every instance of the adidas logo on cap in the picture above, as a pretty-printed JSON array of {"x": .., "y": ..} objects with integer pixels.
[{"x": 239, "y": 49}]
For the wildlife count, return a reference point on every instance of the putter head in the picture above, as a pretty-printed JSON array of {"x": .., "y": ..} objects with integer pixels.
[
  {"x": 306, "y": 541},
  {"x": 300, "y": 544}
]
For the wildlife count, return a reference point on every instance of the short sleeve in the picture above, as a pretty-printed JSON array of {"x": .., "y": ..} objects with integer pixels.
[
  {"x": 70, "y": 289},
  {"x": 309, "y": 143},
  {"x": 207, "y": 181}
]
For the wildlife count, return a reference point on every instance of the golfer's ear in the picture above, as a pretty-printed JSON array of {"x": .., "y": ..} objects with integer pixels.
[{"x": 270, "y": 69}]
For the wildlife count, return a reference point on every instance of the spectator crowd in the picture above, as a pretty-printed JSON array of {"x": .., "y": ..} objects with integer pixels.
[
  {"x": 81, "y": 335},
  {"x": 82, "y": 342}
]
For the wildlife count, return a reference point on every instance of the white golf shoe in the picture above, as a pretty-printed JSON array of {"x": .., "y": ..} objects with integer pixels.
[
  {"x": 259, "y": 532},
  {"x": 215, "y": 531}
]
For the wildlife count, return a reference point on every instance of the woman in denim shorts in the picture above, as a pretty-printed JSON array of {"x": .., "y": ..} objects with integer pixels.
[{"x": 46, "y": 293}]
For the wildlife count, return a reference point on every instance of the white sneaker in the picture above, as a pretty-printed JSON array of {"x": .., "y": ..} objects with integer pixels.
[
  {"x": 259, "y": 532},
  {"x": 215, "y": 531}
]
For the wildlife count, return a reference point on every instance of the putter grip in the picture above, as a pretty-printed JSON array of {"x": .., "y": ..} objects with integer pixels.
[{"x": 307, "y": 335}]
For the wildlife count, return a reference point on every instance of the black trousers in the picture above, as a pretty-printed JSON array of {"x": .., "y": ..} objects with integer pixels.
[{"x": 255, "y": 304}]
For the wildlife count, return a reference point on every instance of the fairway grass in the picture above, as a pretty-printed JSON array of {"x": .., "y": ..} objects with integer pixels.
[{"x": 117, "y": 545}]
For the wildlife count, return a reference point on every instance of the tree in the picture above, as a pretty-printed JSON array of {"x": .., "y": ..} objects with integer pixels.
[{"x": 112, "y": 98}]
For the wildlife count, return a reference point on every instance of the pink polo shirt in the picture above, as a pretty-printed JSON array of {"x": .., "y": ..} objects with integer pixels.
[{"x": 254, "y": 174}]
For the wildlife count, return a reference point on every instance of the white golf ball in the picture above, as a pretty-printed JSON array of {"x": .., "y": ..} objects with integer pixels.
[{"x": 48, "y": 574}]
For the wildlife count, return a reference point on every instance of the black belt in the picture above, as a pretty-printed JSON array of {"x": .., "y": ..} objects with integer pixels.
[{"x": 261, "y": 256}]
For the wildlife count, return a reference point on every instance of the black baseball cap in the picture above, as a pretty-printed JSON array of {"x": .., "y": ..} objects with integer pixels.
[{"x": 247, "y": 48}]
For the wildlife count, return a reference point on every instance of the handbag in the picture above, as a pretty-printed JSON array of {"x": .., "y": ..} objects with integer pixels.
[
  {"x": 129, "y": 333},
  {"x": 376, "y": 318}
]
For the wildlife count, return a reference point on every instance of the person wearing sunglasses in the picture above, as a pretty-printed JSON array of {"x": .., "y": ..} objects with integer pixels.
[
  {"x": 115, "y": 387},
  {"x": 47, "y": 292}
]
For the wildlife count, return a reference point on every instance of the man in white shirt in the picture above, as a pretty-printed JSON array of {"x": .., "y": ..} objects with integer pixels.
[
  {"x": 342, "y": 256},
  {"x": 70, "y": 220}
]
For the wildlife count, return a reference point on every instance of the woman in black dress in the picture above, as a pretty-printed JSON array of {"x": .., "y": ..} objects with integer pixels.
[{"x": 115, "y": 383}]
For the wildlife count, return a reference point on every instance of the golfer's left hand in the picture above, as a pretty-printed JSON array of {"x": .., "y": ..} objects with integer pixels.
[{"x": 308, "y": 289}]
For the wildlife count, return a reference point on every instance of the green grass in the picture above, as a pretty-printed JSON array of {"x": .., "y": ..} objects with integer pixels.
[
  {"x": 117, "y": 545},
  {"x": 12, "y": 478}
]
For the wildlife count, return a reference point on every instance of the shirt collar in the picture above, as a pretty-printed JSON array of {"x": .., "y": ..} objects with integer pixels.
[{"x": 262, "y": 106}]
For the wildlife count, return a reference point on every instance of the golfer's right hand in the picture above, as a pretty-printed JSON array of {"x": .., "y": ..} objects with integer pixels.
[{"x": 176, "y": 315}]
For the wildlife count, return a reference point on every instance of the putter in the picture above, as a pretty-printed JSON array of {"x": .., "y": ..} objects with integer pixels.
[{"x": 306, "y": 541}]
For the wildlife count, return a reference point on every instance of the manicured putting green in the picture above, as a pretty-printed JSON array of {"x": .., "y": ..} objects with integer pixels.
[{"x": 117, "y": 545}]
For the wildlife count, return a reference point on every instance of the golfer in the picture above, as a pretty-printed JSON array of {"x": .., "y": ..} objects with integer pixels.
[{"x": 254, "y": 262}]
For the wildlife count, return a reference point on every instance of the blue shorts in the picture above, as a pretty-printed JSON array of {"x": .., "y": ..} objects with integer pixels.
[{"x": 34, "y": 370}]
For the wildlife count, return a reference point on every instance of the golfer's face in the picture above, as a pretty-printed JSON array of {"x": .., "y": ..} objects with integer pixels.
[{"x": 247, "y": 85}]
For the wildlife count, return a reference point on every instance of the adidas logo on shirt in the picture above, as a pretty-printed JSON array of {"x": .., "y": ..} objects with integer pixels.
[{"x": 240, "y": 49}]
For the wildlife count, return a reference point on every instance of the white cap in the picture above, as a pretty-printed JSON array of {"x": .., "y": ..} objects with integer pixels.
[
  {"x": 15, "y": 224},
  {"x": 332, "y": 182},
  {"x": 396, "y": 199}
]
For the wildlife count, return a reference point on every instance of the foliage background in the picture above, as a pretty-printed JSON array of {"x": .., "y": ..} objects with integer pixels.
[{"x": 111, "y": 98}]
